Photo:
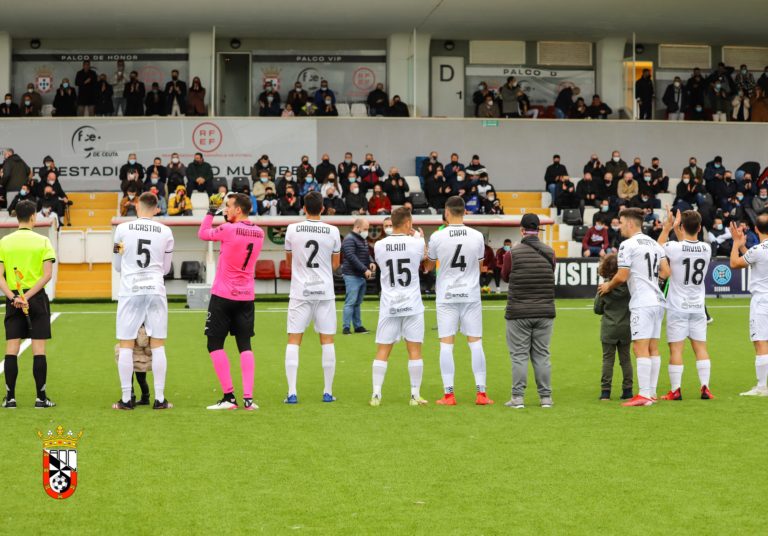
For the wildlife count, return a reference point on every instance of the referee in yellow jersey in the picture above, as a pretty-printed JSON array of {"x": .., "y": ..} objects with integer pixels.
[{"x": 29, "y": 316}]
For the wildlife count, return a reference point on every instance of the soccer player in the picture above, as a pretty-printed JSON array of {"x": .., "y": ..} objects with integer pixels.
[
  {"x": 30, "y": 255},
  {"x": 757, "y": 258},
  {"x": 230, "y": 310},
  {"x": 142, "y": 255},
  {"x": 313, "y": 249},
  {"x": 688, "y": 260},
  {"x": 401, "y": 312},
  {"x": 460, "y": 251},
  {"x": 641, "y": 262}
]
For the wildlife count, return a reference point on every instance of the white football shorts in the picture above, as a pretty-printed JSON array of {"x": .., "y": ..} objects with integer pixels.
[
  {"x": 758, "y": 318},
  {"x": 393, "y": 328},
  {"x": 466, "y": 318},
  {"x": 681, "y": 325},
  {"x": 645, "y": 322},
  {"x": 151, "y": 310},
  {"x": 321, "y": 313}
]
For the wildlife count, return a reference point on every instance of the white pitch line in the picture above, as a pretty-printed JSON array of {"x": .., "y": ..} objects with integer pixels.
[{"x": 27, "y": 342}]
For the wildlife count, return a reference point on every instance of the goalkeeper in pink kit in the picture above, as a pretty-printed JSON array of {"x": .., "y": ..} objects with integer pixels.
[{"x": 230, "y": 310}]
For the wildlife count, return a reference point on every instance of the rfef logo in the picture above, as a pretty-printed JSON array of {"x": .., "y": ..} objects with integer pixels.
[
  {"x": 60, "y": 462},
  {"x": 207, "y": 137},
  {"x": 363, "y": 78}
]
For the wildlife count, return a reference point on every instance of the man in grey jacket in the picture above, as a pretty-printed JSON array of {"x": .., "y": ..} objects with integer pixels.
[{"x": 529, "y": 269}]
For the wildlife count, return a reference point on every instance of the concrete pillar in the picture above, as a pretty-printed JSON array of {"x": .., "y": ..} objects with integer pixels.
[
  {"x": 5, "y": 63},
  {"x": 201, "y": 45},
  {"x": 421, "y": 67},
  {"x": 408, "y": 69},
  {"x": 609, "y": 71}
]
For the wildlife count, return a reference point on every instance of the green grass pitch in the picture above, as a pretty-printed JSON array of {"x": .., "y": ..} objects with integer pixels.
[{"x": 581, "y": 467}]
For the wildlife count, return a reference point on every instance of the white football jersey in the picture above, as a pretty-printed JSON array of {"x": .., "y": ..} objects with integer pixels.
[
  {"x": 459, "y": 250},
  {"x": 688, "y": 261},
  {"x": 757, "y": 257},
  {"x": 399, "y": 258},
  {"x": 642, "y": 255},
  {"x": 312, "y": 244},
  {"x": 145, "y": 245}
]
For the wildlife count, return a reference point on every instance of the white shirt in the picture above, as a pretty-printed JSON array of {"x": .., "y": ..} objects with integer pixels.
[
  {"x": 688, "y": 261},
  {"x": 642, "y": 255},
  {"x": 459, "y": 250},
  {"x": 757, "y": 258},
  {"x": 313, "y": 244},
  {"x": 147, "y": 248},
  {"x": 399, "y": 257}
]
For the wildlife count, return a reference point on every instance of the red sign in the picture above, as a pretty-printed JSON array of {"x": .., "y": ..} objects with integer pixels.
[
  {"x": 207, "y": 137},
  {"x": 364, "y": 78}
]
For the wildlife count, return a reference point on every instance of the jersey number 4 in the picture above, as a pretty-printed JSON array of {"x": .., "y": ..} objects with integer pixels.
[
  {"x": 459, "y": 261},
  {"x": 403, "y": 272},
  {"x": 653, "y": 266}
]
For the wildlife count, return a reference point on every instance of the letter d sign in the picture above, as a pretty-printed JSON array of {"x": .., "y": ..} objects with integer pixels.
[{"x": 446, "y": 73}]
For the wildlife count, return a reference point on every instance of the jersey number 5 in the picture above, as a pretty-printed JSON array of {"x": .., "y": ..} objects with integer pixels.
[{"x": 143, "y": 251}]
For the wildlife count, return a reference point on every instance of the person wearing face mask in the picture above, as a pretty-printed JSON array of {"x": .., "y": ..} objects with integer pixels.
[
  {"x": 719, "y": 100},
  {"x": 647, "y": 187},
  {"x": 155, "y": 101},
  {"x": 379, "y": 202},
  {"x": 429, "y": 166},
  {"x": 614, "y": 235},
  {"x": 489, "y": 108},
  {"x": 334, "y": 205},
  {"x": 131, "y": 166},
  {"x": 644, "y": 93},
  {"x": 86, "y": 80},
  {"x": 578, "y": 110},
  {"x": 370, "y": 171},
  {"x": 396, "y": 187},
  {"x": 588, "y": 191},
  {"x": 175, "y": 95},
  {"x": 134, "y": 92},
  {"x": 304, "y": 169},
  {"x": 263, "y": 164},
  {"x": 479, "y": 97},
  {"x": 500, "y": 262},
  {"x": 687, "y": 193},
  {"x": 328, "y": 108},
  {"x": 595, "y": 242},
  {"x": 129, "y": 202},
  {"x": 490, "y": 204},
  {"x": 564, "y": 101},
  {"x": 157, "y": 167},
  {"x": 760, "y": 201},
  {"x": 483, "y": 185},
  {"x": 357, "y": 267},
  {"x": 566, "y": 194},
  {"x": 196, "y": 98},
  {"x": 475, "y": 168},
  {"x": 176, "y": 171},
  {"x": 65, "y": 101},
  {"x": 260, "y": 186},
  {"x": 740, "y": 106},
  {"x": 616, "y": 166},
  {"x": 51, "y": 205},
  {"x": 104, "y": 92},
  {"x": 269, "y": 101},
  {"x": 324, "y": 168},
  {"x": 627, "y": 188},
  {"x": 719, "y": 236},
  {"x": 199, "y": 175},
  {"x": 289, "y": 204},
  {"x": 155, "y": 182},
  {"x": 660, "y": 181},
  {"x": 712, "y": 171},
  {"x": 48, "y": 166},
  {"x": 377, "y": 101},
  {"x": 508, "y": 93},
  {"x": 694, "y": 170},
  {"x": 745, "y": 80},
  {"x": 9, "y": 108},
  {"x": 598, "y": 109},
  {"x": 345, "y": 166},
  {"x": 180, "y": 204},
  {"x": 297, "y": 97},
  {"x": 14, "y": 173},
  {"x": 322, "y": 93},
  {"x": 437, "y": 190},
  {"x": 355, "y": 200},
  {"x": 397, "y": 108},
  {"x": 35, "y": 102},
  {"x": 452, "y": 168},
  {"x": 119, "y": 78},
  {"x": 676, "y": 100},
  {"x": 637, "y": 168},
  {"x": 552, "y": 173},
  {"x": 309, "y": 184},
  {"x": 282, "y": 182}
]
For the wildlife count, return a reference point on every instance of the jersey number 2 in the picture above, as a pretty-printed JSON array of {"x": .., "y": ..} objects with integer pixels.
[
  {"x": 143, "y": 251},
  {"x": 311, "y": 259}
]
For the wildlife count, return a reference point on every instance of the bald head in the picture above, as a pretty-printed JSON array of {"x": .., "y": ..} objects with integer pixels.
[{"x": 360, "y": 225}]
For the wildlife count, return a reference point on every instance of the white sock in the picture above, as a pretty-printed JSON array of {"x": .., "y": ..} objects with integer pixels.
[
  {"x": 447, "y": 368},
  {"x": 675, "y": 377},
  {"x": 703, "y": 367},
  {"x": 291, "y": 366},
  {"x": 761, "y": 367},
  {"x": 478, "y": 364},
  {"x": 379, "y": 371},
  {"x": 125, "y": 370},
  {"x": 159, "y": 367},
  {"x": 416, "y": 371},
  {"x": 329, "y": 366},
  {"x": 655, "y": 369},
  {"x": 644, "y": 376}
]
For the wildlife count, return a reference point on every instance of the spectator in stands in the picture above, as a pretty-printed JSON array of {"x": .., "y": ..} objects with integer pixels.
[
  {"x": 118, "y": 88},
  {"x": 723, "y": 73},
  {"x": 688, "y": 193},
  {"x": 719, "y": 237},
  {"x": 500, "y": 262},
  {"x": 196, "y": 98},
  {"x": 268, "y": 205},
  {"x": 695, "y": 171},
  {"x": 129, "y": 201},
  {"x": 334, "y": 205},
  {"x": 162, "y": 203},
  {"x": 762, "y": 82},
  {"x": 155, "y": 181},
  {"x": 379, "y": 202},
  {"x": 487, "y": 267},
  {"x": 595, "y": 167},
  {"x": 598, "y": 109},
  {"x": 48, "y": 166},
  {"x": 284, "y": 181},
  {"x": 309, "y": 184},
  {"x": 199, "y": 176},
  {"x": 760, "y": 201},
  {"x": 155, "y": 103},
  {"x": 263, "y": 164},
  {"x": 297, "y": 97},
  {"x": 564, "y": 101},
  {"x": 396, "y": 187},
  {"x": 740, "y": 106},
  {"x": 747, "y": 185},
  {"x": 269, "y": 101},
  {"x": 134, "y": 93},
  {"x": 324, "y": 168},
  {"x": 260, "y": 186},
  {"x": 352, "y": 177},
  {"x": 289, "y": 204},
  {"x": 35, "y": 101},
  {"x": 437, "y": 190},
  {"x": 429, "y": 166},
  {"x": 760, "y": 106},
  {"x": 676, "y": 100},
  {"x": 489, "y": 108},
  {"x": 176, "y": 172},
  {"x": 614, "y": 235},
  {"x": 695, "y": 91},
  {"x": 588, "y": 191},
  {"x": 345, "y": 166},
  {"x": 637, "y": 168},
  {"x": 378, "y": 101},
  {"x": 398, "y": 108},
  {"x": 25, "y": 194},
  {"x": 722, "y": 188},
  {"x": 158, "y": 168},
  {"x": 719, "y": 100},
  {"x": 627, "y": 187},
  {"x": 552, "y": 174},
  {"x": 131, "y": 166},
  {"x": 647, "y": 187},
  {"x": 86, "y": 81},
  {"x": 9, "y": 108},
  {"x": 479, "y": 97},
  {"x": 745, "y": 80},
  {"x": 453, "y": 167},
  {"x": 644, "y": 93},
  {"x": 491, "y": 204},
  {"x": 643, "y": 200},
  {"x": 616, "y": 166},
  {"x": 604, "y": 210},
  {"x": 524, "y": 106},
  {"x": 484, "y": 185},
  {"x": 323, "y": 92},
  {"x": 355, "y": 200},
  {"x": 180, "y": 204},
  {"x": 660, "y": 181},
  {"x": 26, "y": 110},
  {"x": 370, "y": 171},
  {"x": 508, "y": 96},
  {"x": 595, "y": 242},
  {"x": 175, "y": 95},
  {"x": 475, "y": 168},
  {"x": 566, "y": 194},
  {"x": 65, "y": 101},
  {"x": 287, "y": 111},
  {"x": 331, "y": 182},
  {"x": 104, "y": 93},
  {"x": 304, "y": 169},
  {"x": 14, "y": 173},
  {"x": 752, "y": 238},
  {"x": 578, "y": 110},
  {"x": 735, "y": 208},
  {"x": 472, "y": 201},
  {"x": 608, "y": 187}
]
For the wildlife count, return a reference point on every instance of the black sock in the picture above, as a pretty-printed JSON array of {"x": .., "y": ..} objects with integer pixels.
[
  {"x": 141, "y": 378},
  {"x": 40, "y": 372},
  {"x": 230, "y": 397},
  {"x": 11, "y": 372}
]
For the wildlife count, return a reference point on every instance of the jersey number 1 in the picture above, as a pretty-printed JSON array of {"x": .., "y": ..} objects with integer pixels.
[
  {"x": 698, "y": 271},
  {"x": 653, "y": 267}
]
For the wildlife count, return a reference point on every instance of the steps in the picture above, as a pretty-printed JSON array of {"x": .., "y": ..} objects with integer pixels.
[
  {"x": 528, "y": 200},
  {"x": 84, "y": 281},
  {"x": 93, "y": 210}
]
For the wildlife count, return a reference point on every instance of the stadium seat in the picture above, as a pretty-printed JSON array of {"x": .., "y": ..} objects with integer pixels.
[
  {"x": 265, "y": 270},
  {"x": 574, "y": 249},
  {"x": 191, "y": 271},
  {"x": 565, "y": 232},
  {"x": 219, "y": 181},
  {"x": 572, "y": 216},
  {"x": 424, "y": 211},
  {"x": 414, "y": 184},
  {"x": 358, "y": 109},
  {"x": 579, "y": 232},
  {"x": 666, "y": 199},
  {"x": 673, "y": 185},
  {"x": 285, "y": 270},
  {"x": 418, "y": 200},
  {"x": 239, "y": 184},
  {"x": 98, "y": 246},
  {"x": 169, "y": 275},
  {"x": 343, "y": 109},
  {"x": 589, "y": 214},
  {"x": 71, "y": 247}
]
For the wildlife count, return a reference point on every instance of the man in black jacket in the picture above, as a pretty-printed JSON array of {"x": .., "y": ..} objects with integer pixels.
[
  {"x": 356, "y": 268},
  {"x": 644, "y": 94},
  {"x": 86, "y": 82},
  {"x": 378, "y": 101},
  {"x": 554, "y": 170},
  {"x": 175, "y": 95},
  {"x": 134, "y": 93}
]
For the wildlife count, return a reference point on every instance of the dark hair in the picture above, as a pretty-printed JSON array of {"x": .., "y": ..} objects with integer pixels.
[
  {"x": 132, "y": 188},
  {"x": 148, "y": 200},
  {"x": 242, "y": 201},
  {"x": 609, "y": 265},
  {"x": 691, "y": 222},
  {"x": 400, "y": 215},
  {"x": 635, "y": 214},
  {"x": 455, "y": 205},
  {"x": 761, "y": 224},
  {"x": 25, "y": 210},
  {"x": 313, "y": 203},
  {"x": 199, "y": 154}
]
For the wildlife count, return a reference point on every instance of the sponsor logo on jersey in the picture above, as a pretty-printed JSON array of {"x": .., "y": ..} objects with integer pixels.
[{"x": 308, "y": 293}]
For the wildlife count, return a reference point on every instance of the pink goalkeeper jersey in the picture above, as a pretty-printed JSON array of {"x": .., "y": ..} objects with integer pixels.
[{"x": 241, "y": 244}]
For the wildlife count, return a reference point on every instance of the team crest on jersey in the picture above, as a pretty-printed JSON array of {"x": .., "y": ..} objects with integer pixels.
[{"x": 60, "y": 462}]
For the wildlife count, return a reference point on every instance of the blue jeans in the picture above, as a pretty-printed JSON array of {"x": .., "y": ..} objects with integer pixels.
[
  {"x": 560, "y": 114},
  {"x": 355, "y": 293}
]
